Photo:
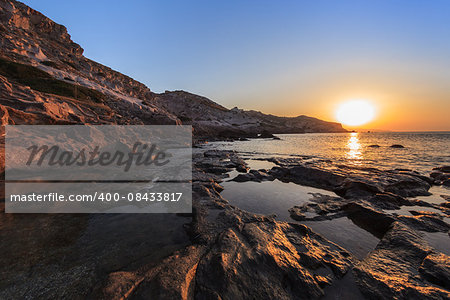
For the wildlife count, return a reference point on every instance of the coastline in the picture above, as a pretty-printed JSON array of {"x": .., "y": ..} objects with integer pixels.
[
  {"x": 228, "y": 249},
  {"x": 269, "y": 249}
]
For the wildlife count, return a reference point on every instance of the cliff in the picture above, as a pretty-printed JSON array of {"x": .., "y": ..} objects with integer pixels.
[
  {"x": 45, "y": 79},
  {"x": 212, "y": 120}
]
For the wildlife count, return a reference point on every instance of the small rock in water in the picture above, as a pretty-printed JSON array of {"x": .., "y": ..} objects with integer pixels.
[
  {"x": 296, "y": 213},
  {"x": 397, "y": 146},
  {"x": 266, "y": 134},
  {"x": 374, "y": 146},
  {"x": 444, "y": 169},
  {"x": 440, "y": 177}
]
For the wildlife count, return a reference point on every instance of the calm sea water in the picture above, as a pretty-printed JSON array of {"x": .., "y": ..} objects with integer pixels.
[{"x": 423, "y": 150}]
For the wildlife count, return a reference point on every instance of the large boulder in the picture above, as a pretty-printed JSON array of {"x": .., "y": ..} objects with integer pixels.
[
  {"x": 398, "y": 268},
  {"x": 269, "y": 261}
]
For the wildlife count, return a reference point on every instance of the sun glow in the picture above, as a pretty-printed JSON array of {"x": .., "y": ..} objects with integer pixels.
[
  {"x": 355, "y": 112},
  {"x": 354, "y": 147}
]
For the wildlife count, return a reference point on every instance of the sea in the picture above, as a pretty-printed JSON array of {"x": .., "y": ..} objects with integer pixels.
[{"x": 420, "y": 151}]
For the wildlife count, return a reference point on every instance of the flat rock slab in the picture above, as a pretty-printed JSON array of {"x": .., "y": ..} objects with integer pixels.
[{"x": 403, "y": 266}]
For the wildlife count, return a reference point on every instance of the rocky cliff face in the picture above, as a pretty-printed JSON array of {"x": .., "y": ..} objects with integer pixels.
[
  {"x": 212, "y": 120},
  {"x": 45, "y": 79}
]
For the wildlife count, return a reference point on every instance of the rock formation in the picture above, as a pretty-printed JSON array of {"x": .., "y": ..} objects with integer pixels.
[
  {"x": 45, "y": 79},
  {"x": 218, "y": 251}
]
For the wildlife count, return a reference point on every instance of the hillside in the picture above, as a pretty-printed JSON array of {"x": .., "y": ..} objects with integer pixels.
[{"x": 45, "y": 79}]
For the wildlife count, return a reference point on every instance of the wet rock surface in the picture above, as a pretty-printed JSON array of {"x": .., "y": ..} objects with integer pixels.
[
  {"x": 349, "y": 181},
  {"x": 436, "y": 269},
  {"x": 287, "y": 261},
  {"x": 396, "y": 268},
  {"x": 403, "y": 265},
  {"x": 218, "y": 251},
  {"x": 370, "y": 200},
  {"x": 441, "y": 175},
  {"x": 227, "y": 253},
  {"x": 236, "y": 255},
  {"x": 323, "y": 206}
]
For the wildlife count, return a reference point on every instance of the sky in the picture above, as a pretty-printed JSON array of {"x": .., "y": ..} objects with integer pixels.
[{"x": 286, "y": 58}]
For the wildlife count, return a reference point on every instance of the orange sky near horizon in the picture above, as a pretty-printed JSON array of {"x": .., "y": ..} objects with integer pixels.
[{"x": 402, "y": 103}]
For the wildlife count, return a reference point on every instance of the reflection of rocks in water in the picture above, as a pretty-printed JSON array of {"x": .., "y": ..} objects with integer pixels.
[
  {"x": 322, "y": 207},
  {"x": 231, "y": 254},
  {"x": 368, "y": 192},
  {"x": 253, "y": 175},
  {"x": 376, "y": 222}
]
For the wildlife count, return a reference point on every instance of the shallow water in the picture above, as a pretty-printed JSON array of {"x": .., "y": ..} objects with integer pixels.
[
  {"x": 259, "y": 164},
  {"x": 436, "y": 192},
  {"x": 96, "y": 243},
  {"x": 346, "y": 234},
  {"x": 276, "y": 197},
  {"x": 423, "y": 151},
  {"x": 439, "y": 241}
]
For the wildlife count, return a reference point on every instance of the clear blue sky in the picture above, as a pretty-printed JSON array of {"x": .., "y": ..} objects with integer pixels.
[{"x": 283, "y": 57}]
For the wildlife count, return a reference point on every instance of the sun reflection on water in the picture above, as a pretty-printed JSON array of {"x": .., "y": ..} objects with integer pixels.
[{"x": 354, "y": 147}]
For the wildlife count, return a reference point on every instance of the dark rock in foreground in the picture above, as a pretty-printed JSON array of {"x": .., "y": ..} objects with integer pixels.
[
  {"x": 436, "y": 269},
  {"x": 400, "y": 267},
  {"x": 282, "y": 259}
]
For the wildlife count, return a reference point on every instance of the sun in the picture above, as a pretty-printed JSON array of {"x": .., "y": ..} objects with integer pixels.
[{"x": 355, "y": 112}]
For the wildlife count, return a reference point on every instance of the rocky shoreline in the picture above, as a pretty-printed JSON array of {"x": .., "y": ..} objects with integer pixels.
[
  {"x": 237, "y": 254},
  {"x": 402, "y": 265},
  {"x": 228, "y": 253},
  {"x": 219, "y": 251}
]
